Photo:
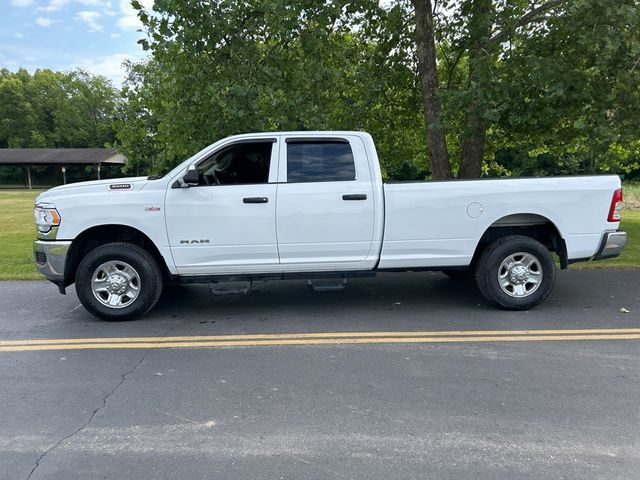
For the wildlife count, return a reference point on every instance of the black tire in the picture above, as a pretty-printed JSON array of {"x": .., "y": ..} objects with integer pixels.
[
  {"x": 464, "y": 275},
  {"x": 149, "y": 281},
  {"x": 490, "y": 270}
]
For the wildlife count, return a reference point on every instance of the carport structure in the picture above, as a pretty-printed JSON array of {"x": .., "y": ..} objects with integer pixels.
[{"x": 59, "y": 157}]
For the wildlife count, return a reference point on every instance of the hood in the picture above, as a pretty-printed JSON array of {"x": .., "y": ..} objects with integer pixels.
[{"x": 111, "y": 185}]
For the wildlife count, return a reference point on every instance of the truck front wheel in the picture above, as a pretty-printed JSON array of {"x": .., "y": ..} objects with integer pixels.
[
  {"x": 118, "y": 281},
  {"x": 515, "y": 272}
]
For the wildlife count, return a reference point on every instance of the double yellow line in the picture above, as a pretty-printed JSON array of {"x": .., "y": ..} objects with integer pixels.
[{"x": 329, "y": 338}]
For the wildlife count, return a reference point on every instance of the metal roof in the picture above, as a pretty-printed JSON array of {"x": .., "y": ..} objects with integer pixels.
[{"x": 59, "y": 156}]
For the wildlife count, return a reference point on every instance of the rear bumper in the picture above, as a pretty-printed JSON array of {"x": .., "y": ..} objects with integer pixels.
[
  {"x": 51, "y": 258},
  {"x": 611, "y": 245}
]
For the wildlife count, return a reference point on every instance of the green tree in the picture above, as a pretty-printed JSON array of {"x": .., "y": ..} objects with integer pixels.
[
  {"x": 559, "y": 75},
  {"x": 17, "y": 118},
  {"x": 489, "y": 86},
  {"x": 56, "y": 109},
  {"x": 577, "y": 87},
  {"x": 228, "y": 67}
]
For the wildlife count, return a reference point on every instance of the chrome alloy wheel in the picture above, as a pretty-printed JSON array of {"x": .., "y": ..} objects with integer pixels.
[
  {"x": 520, "y": 274},
  {"x": 115, "y": 284}
]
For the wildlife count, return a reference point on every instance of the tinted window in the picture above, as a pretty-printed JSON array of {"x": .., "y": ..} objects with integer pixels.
[
  {"x": 238, "y": 164},
  {"x": 319, "y": 162}
]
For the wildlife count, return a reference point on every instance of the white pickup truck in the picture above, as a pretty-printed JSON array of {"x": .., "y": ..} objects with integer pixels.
[{"x": 313, "y": 205}]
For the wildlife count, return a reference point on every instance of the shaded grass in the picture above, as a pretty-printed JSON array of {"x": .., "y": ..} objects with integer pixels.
[
  {"x": 17, "y": 233},
  {"x": 631, "y": 194}
]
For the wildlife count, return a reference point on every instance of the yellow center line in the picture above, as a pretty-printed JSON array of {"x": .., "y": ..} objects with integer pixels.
[
  {"x": 288, "y": 336},
  {"x": 339, "y": 338}
]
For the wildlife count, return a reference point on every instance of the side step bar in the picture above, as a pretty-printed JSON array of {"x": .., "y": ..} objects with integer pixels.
[
  {"x": 327, "y": 284},
  {"x": 230, "y": 288},
  {"x": 242, "y": 286}
]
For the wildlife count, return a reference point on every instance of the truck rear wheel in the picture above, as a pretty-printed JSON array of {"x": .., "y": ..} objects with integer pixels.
[
  {"x": 515, "y": 273},
  {"x": 118, "y": 281}
]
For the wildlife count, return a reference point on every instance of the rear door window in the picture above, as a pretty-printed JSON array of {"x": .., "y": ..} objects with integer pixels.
[{"x": 319, "y": 161}]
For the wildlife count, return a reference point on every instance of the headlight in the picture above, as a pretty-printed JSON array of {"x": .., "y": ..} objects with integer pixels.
[{"x": 46, "y": 217}]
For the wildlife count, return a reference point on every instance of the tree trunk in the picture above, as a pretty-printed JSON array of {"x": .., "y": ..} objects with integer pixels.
[
  {"x": 480, "y": 62},
  {"x": 426, "y": 53},
  {"x": 473, "y": 140}
]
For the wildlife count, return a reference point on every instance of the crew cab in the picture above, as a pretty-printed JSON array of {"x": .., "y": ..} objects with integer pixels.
[{"x": 313, "y": 205}]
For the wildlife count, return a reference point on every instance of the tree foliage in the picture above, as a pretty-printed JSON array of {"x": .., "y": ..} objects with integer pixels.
[
  {"x": 572, "y": 91},
  {"x": 221, "y": 68},
  {"x": 446, "y": 87},
  {"x": 517, "y": 86},
  {"x": 56, "y": 109},
  {"x": 49, "y": 109},
  {"x": 557, "y": 78}
]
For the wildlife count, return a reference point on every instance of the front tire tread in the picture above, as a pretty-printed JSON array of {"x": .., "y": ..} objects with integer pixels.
[{"x": 144, "y": 263}]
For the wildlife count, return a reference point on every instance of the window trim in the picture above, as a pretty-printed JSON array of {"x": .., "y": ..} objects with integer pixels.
[
  {"x": 247, "y": 140},
  {"x": 316, "y": 140}
]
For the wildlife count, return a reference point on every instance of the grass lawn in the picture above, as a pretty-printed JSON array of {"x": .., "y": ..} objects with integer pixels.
[{"x": 18, "y": 232}]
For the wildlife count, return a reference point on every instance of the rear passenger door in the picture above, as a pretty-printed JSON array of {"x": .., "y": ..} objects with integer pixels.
[{"x": 325, "y": 208}]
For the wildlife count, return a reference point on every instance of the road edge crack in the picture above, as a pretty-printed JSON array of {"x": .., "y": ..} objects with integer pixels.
[{"x": 105, "y": 399}]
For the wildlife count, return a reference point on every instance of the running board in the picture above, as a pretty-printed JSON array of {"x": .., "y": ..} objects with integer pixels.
[
  {"x": 230, "y": 288},
  {"x": 326, "y": 284}
]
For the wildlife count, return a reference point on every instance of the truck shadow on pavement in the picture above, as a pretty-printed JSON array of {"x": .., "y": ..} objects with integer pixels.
[
  {"x": 389, "y": 302},
  {"x": 395, "y": 301}
]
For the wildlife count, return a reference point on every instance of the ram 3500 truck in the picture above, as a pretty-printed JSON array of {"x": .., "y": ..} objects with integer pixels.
[{"x": 313, "y": 205}]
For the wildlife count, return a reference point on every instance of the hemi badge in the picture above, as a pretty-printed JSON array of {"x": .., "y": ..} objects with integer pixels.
[{"x": 120, "y": 186}]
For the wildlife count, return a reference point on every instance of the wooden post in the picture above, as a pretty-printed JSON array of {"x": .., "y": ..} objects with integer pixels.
[
  {"x": 64, "y": 174},
  {"x": 29, "y": 176}
]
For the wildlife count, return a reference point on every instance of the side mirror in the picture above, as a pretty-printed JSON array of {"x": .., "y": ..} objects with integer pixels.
[{"x": 190, "y": 179}]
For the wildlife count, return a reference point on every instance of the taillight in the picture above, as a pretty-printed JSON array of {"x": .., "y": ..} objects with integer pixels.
[{"x": 615, "y": 211}]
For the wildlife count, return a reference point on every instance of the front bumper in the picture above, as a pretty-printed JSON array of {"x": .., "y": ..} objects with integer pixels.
[
  {"x": 51, "y": 258},
  {"x": 611, "y": 245}
]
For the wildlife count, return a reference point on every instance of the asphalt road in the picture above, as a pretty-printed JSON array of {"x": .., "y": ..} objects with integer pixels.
[{"x": 477, "y": 393}]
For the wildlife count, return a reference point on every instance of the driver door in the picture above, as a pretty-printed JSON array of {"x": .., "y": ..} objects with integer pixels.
[{"x": 226, "y": 224}]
